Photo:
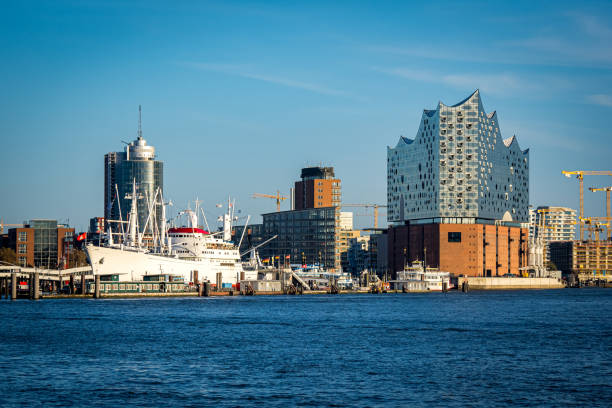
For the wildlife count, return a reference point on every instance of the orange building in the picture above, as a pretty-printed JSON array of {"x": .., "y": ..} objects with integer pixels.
[
  {"x": 480, "y": 249},
  {"x": 318, "y": 188}
]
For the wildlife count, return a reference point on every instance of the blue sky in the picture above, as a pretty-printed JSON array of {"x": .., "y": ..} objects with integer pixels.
[{"x": 238, "y": 96}]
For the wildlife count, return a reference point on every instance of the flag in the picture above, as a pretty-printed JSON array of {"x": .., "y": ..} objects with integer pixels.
[
  {"x": 276, "y": 257},
  {"x": 288, "y": 257},
  {"x": 82, "y": 236},
  {"x": 266, "y": 260}
]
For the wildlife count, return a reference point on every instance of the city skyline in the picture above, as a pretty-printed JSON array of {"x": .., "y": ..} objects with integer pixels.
[{"x": 237, "y": 97}]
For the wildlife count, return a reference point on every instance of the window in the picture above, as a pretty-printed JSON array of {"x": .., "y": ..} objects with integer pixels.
[
  {"x": 454, "y": 237},
  {"x": 23, "y": 249},
  {"x": 23, "y": 236}
]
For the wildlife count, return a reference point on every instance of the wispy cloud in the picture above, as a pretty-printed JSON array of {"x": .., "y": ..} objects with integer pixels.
[
  {"x": 592, "y": 26},
  {"x": 503, "y": 83},
  {"x": 584, "y": 42},
  {"x": 600, "y": 99},
  {"x": 246, "y": 71}
]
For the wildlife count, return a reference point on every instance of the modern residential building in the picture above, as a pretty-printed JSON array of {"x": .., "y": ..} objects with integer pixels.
[
  {"x": 318, "y": 188},
  {"x": 136, "y": 163},
  {"x": 344, "y": 238},
  {"x": 41, "y": 243},
  {"x": 306, "y": 236},
  {"x": 587, "y": 259},
  {"x": 552, "y": 224},
  {"x": 379, "y": 252},
  {"x": 358, "y": 255},
  {"x": 458, "y": 194},
  {"x": 346, "y": 220},
  {"x": 310, "y": 232}
]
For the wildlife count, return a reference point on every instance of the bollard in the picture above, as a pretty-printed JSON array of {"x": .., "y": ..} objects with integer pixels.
[
  {"x": 219, "y": 281},
  {"x": 36, "y": 286},
  {"x": 13, "y": 286},
  {"x": 97, "y": 287},
  {"x": 83, "y": 288},
  {"x": 206, "y": 289}
]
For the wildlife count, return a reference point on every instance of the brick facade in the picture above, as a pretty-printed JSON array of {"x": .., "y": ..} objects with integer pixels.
[{"x": 469, "y": 249}]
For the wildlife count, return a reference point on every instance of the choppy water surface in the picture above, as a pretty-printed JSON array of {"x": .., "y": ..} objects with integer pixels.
[{"x": 481, "y": 349}]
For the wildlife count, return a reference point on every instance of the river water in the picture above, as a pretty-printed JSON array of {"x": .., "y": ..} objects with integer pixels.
[{"x": 527, "y": 348}]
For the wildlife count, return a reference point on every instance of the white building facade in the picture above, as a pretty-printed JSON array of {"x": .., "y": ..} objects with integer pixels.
[
  {"x": 552, "y": 224},
  {"x": 458, "y": 168}
]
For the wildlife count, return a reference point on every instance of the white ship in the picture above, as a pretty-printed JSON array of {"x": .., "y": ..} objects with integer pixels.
[
  {"x": 189, "y": 252},
  {"x": 418, "y": 277}
]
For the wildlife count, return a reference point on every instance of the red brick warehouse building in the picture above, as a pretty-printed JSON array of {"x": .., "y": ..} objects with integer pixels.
[
  {"x": 458, "y": 194},
  {"x": 470, "y": 249}
]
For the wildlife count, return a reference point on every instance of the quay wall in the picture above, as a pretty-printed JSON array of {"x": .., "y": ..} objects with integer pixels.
[{"x": 503, "y": 283}]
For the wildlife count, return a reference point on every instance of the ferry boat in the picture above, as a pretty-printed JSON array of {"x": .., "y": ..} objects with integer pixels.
[
  {"x": 189, "y": 251},
  {"x": 418, "y": 277}
]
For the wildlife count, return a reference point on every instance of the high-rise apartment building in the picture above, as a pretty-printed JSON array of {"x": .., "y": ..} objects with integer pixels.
[
  {"x": 552, "y": 224},
  {"x": 136, "y": 163},
  {"x": 458, "y": 194},
  {"x": 318, "y": 188},
  {"x": 458, "y": 166}
]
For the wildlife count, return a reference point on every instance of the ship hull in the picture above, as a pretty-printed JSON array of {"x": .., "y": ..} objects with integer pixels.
[{"x": 133, "y": 265}]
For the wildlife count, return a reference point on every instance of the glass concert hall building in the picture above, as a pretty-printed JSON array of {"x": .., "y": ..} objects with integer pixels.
[{"x": 458, "y": 193}]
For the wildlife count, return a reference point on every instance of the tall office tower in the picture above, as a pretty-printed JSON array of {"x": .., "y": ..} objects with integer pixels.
[
  {"x": 136, "y": 163},
  {"x": 458, "y": 166},
  {"x": 318, "y": 188},
  {"x": 552, "y": 224}
]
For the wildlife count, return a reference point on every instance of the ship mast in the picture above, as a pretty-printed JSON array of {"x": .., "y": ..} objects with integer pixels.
[{"x": 133, "y": 220}]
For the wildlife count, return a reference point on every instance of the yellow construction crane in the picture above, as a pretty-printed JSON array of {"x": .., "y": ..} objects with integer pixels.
[
  {"x": 580, "y": 176},
  {"x": 277, "y": 197},
  {"x": 594, "y": 226},
  {"x": 607, "y": 190},
  {"x": 2, "y": 225},
  {"x": 374, "y": 206}
]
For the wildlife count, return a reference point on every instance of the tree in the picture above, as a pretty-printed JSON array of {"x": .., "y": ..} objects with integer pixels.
[
  {"x": 550, "y": 266},
  {"x": 77, "y": 258},
  {"x": 8, "y": 255}
]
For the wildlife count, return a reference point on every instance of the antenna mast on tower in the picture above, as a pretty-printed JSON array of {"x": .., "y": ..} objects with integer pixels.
[{"x": 139, "y": 122}]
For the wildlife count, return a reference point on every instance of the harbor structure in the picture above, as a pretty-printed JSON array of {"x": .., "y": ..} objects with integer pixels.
[
  {"x": 137, "y": 163},
  {"x": 41, "y": 243},
  {"x": 458, "y": 194},
  {"x": 551, "y": 223}
]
